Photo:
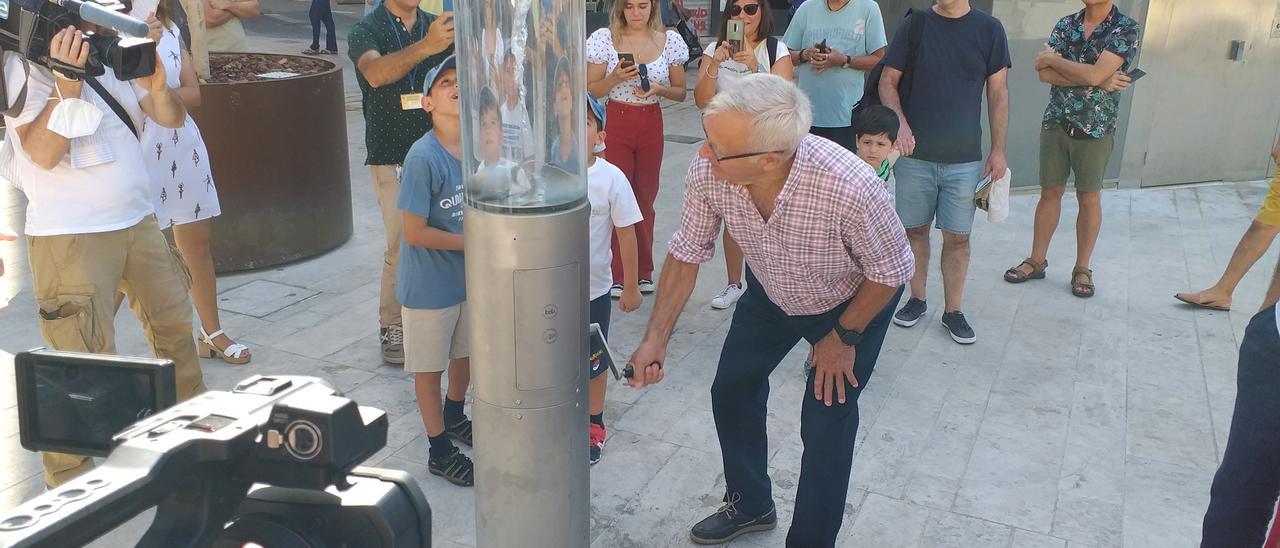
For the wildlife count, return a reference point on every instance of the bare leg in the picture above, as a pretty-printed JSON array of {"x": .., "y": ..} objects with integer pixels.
[
  {"x": 427, "y": 387},
  {"x": 1253, "y": 245},
  {"x": 1048, "y": 212},
  {"x": 1088, "y": 225},
  {"x": 955, "y": 266},
  {"x": 459, "y": 379},
  {"x": 597, "y": 390},
  {"x": 192, "y": 240},
  {"x": 732, "y": 259},
  {"x": 919, "y": 239}
]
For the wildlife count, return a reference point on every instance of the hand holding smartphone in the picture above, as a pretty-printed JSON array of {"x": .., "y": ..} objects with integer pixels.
[
  {"x": 1135, "y": 73},
  {"x": 734, "y": 35},
  {"x": 626, "y": 60}
]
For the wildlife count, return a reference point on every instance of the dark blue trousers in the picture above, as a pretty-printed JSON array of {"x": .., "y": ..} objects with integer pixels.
[
  {"x": 759, "y": 337},
  {"x": 322, "y": 12},
  {"x": 1243, "y": 497}
]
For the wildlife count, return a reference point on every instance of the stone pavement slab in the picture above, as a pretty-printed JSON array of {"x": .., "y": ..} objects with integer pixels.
[{"x": 1080, "y": 423}]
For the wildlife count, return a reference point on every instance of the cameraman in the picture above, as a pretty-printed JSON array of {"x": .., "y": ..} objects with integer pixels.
[{"x": 90, "y": 221}]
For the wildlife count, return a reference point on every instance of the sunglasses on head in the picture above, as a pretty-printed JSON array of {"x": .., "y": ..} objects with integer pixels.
[{"x": 736, "y": 10}]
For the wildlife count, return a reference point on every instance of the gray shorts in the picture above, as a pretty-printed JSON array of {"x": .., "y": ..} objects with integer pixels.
[{"x": 432, "y": 337}]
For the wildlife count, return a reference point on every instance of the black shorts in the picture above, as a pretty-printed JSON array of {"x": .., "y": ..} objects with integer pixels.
[{"x": 600, "y": 309}]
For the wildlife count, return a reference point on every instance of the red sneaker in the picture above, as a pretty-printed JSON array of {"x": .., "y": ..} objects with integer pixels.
[{"x": 597, "y": 434}]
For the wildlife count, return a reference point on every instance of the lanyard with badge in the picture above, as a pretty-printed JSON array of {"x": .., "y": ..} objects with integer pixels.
[{"x": 411, "y": 100}]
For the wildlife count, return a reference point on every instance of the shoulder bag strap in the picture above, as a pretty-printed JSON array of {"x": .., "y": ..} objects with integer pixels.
[{"x": 111, "y": 102}]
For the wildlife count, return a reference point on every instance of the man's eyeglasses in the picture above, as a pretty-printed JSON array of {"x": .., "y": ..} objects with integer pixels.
[
  {"x": 736, "y": 10},
  {"x": 715, "y": 156}
]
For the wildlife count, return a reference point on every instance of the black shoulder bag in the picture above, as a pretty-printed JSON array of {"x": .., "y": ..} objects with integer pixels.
[{"x": 871, "y": 89}]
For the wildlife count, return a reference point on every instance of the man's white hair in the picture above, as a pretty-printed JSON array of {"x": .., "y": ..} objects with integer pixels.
[{"x": 780, "y": 113}]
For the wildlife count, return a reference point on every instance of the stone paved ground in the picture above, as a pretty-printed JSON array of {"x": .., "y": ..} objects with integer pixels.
[{"x": 1070, "y": 423}]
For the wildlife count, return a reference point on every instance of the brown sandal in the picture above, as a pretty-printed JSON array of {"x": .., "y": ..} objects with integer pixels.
[
  {"x": 1082, "y": 282},
  {"x": 1016, "y": 275}
]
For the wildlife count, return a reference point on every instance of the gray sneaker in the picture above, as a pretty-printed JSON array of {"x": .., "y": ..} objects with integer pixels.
[
  {"x": 393, "y": 344},
  {"x": 911, "y": 312},
  {"x": 959, "y": 327}
]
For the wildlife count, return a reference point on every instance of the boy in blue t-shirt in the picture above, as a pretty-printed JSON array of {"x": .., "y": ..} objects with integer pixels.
[
  {"x": 431, "y": 282},
  {"x": 614, "y": 210}
]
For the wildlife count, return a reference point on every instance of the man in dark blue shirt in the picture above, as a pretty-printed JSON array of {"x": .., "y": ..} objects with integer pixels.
[{"x": 961, "y": 52}]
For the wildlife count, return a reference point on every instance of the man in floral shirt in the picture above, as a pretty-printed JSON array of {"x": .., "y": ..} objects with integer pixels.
[{"x": 1083, "y": 60}]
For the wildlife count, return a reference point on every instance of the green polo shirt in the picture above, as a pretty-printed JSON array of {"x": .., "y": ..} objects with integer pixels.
[{"x": 389, "y": 131}]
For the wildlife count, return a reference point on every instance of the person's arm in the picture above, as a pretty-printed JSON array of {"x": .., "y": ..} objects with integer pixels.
[
  {"x": 242, "y": 9},
  {"x": 998, "y": 118},
  {"x": 380, "y": 70},
  {"x": 693, "y": 244},
  {"x": 45, "y": 147},
  {"x": 708, "y": 72},
  {"x": 783, "y": 66},
  {"x": 190, "y": 84},
  {"x": 889, "y": 80},
  {"x": 678, "y": 90},
  {"x": 161, "y": 103},
  {"x": 1081, "y": 74},
  {"x": 629, "y": 249},
  {"x": 1053, "y": 77},
  {"x": 418, "y": 234},
  {"x": 859, "y": 62}
]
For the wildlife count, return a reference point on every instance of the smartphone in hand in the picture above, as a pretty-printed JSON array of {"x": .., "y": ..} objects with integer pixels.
[
  {"x": 823, "y": 47},
  {"x": 1135, "y": 73},
  {"x": 626, "y": 60},
  {"x": 734, "y": 35}
]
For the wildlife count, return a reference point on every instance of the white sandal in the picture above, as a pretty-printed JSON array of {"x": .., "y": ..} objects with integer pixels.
[{"x": 236, "y": 354}]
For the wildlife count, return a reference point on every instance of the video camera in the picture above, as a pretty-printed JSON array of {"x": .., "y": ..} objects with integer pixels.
[
  {"x": 270, "y": 463},
  {"x": 27, "y": 27}
]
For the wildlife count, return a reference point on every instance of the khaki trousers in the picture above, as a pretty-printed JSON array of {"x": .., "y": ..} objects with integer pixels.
[
  {"x": 386, "y": 186},
  {"x": 76, "y": 277}
]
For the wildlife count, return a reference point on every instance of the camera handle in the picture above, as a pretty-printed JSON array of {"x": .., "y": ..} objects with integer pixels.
[{"x": 192, "y": 484}]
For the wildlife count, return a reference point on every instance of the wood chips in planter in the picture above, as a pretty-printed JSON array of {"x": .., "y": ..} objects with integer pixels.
[{"x": 248, "y": 67}]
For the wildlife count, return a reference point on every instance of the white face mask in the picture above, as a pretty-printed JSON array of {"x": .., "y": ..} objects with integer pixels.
[
  {"x": 74, "y": 117},
  {"x": 599, "y": 148}
]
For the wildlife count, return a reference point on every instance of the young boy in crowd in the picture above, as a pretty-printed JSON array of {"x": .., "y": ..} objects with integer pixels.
[
  {"x": 875, "y": 132},
  {"x": 614, "y": 210},
  {"x": 431, "y": 283},
  {"x": 517, "y": 132}
]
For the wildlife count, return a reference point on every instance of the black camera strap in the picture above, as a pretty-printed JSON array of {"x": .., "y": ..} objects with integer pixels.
[
  {"x": 111, "y": 102},
  {"x": 16, "y": 105}
]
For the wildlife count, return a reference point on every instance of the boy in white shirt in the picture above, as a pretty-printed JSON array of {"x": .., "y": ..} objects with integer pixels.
[{"x": 613, "y": 209}]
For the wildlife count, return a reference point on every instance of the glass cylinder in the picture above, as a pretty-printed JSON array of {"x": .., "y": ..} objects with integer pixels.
[{"x": 523, "y": 76}]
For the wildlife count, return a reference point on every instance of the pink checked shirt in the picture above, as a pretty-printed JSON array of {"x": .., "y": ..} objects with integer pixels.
[{"x": 833, "y": 226}]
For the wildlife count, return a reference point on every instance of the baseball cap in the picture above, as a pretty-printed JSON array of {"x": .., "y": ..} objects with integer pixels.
[
  {"x": 597, "y": 108},
  {"x": 449, "y": 63}
]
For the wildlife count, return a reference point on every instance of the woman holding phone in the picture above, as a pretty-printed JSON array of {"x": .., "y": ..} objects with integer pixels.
[
  {"x": 633, "y": 62},
  {"x": 743, "y": 48}
]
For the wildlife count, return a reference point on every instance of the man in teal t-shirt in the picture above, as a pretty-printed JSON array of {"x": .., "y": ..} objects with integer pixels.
[{"x": 853, "y": 32}]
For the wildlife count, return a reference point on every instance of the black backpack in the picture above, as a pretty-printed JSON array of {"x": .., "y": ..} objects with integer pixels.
[{"x": 871, "y": 90}]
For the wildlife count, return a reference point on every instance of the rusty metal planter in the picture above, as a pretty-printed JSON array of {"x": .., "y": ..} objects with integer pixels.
[{"x": 278, "y": 150}]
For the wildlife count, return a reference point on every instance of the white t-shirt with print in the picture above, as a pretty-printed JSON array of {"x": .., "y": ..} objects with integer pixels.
[
  {"x": 600, "y": 51},
  {"x": 613, "y": 205},
  {"x": 100, "y": 198},
  {"x": 731, "y": 71}
]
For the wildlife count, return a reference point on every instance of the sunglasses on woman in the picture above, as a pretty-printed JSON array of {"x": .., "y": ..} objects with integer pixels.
[{"x": 736, "y": 10}]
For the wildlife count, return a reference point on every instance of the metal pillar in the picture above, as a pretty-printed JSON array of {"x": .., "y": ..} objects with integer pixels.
[{"x": 526, "y": 244}]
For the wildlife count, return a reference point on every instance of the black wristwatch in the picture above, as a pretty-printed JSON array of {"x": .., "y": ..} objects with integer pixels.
[{"x": 847, "y": 336}]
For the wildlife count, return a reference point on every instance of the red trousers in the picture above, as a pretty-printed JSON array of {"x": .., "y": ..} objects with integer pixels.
[{"x": 633, "y": 142}]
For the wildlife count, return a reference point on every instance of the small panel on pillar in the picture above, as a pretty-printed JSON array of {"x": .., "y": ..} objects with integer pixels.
[{"x": 548, "y": 327}]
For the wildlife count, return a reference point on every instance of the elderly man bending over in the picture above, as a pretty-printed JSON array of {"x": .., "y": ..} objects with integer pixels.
[{"x": 826, "y": 262}]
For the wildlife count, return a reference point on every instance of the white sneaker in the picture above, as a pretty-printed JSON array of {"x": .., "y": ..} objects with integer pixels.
[
  {"x": 616, "y": 291},
  {"x": 647, "y": 286},
  {"x": 728, "y": 296}
]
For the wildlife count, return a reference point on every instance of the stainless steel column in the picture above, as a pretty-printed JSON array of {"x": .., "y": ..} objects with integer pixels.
[{"x": 526, "y": 245}]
